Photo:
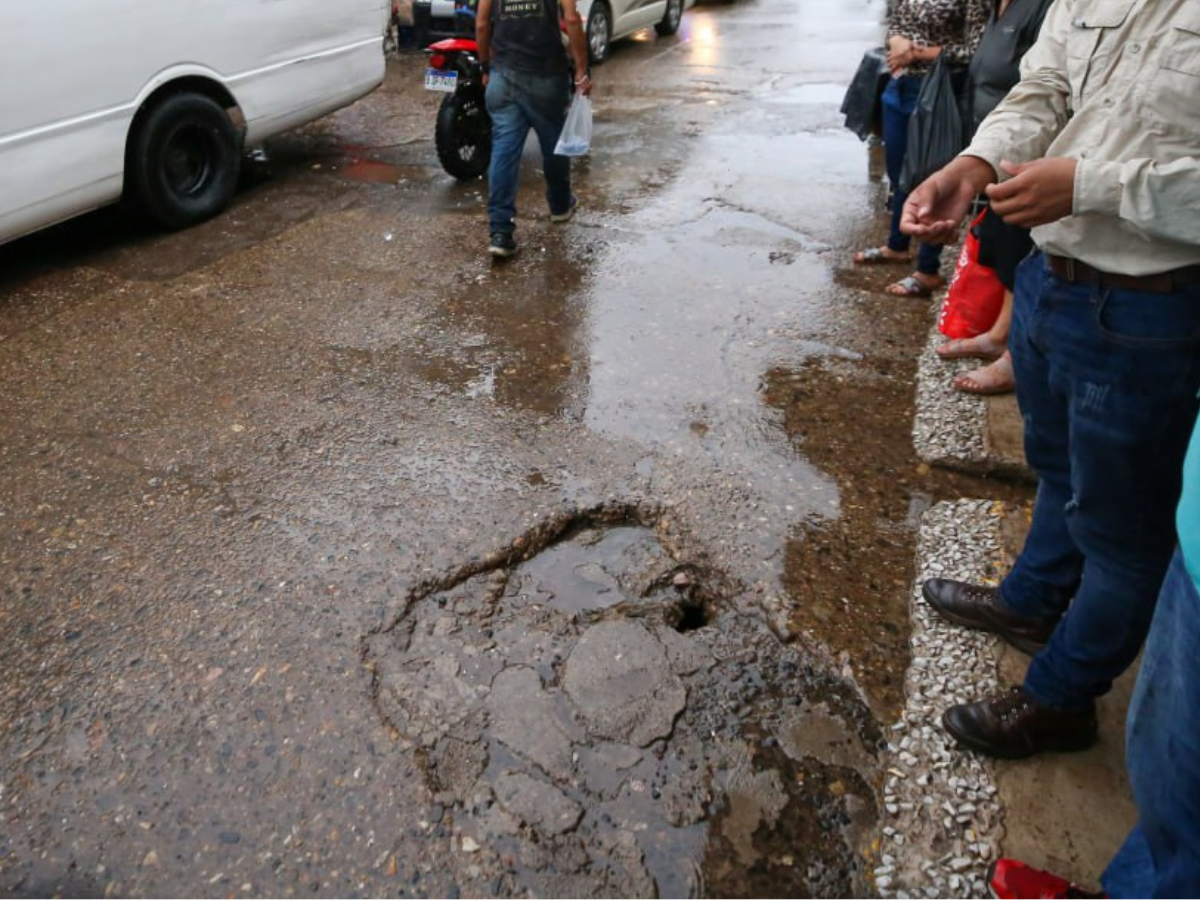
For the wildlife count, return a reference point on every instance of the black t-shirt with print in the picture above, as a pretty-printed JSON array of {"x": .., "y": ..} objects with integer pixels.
[{"x": 526, "y": 36}]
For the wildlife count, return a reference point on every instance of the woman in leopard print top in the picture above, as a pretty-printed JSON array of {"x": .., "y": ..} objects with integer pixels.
[{"x": 919, "y": 30}]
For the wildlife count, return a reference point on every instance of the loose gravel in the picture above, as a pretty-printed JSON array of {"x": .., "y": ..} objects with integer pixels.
[
  {"x": 949, "y": 425},
  {"x": 943, "y": 819}
]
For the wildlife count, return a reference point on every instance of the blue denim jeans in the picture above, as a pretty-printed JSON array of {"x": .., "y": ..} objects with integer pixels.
[
  {"x": 1161, "y": 857},
  {"x": 517, "y": 102},
  {"x": 899, "y": 100},
  {"x": 1106, "y": 381}
]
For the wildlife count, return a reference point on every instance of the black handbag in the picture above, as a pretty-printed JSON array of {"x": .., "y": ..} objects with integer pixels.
[
  {"x": 935, "y": 130},
  {"x": 861, "y": 106}
]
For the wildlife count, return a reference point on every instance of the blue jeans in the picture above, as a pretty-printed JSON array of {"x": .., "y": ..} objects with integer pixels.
[
  {"x": 1161, "y": 857},
  {"x": 518, "y": 101},
  {"x": 899, "y": 100},
  {"x": 1106, "y": 381}
]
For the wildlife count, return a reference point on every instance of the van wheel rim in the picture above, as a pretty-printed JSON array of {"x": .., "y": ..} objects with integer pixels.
[{"x": 188, "y": 160}]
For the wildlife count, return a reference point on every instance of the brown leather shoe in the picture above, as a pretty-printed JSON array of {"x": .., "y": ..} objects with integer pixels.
[
  {"x": 1013, "y": 725},
  {"x": 981, "y": 608}
]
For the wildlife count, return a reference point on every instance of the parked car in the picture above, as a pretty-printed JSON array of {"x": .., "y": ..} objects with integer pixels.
[
  {"x": 610, "y": 20},
  {"x": 606, "y": 20},
  {"x": 155, "y": 101}
]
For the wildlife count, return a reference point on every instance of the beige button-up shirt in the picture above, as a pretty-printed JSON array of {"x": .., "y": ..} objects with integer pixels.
[{"x": 1114, "y": 84}]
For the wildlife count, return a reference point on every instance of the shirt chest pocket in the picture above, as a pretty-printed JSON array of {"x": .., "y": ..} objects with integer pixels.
[
  {"x": 1174, "y": 95},
  {"x": 1091, "y": 41}
]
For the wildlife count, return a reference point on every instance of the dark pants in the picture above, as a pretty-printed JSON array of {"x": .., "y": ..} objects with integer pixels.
[
  {"x": 899, "y": 100},
  {"x": 517, "y": 102},
  {"x": 1106, "y": 381},
  {"x": 1161, "y": 857}
]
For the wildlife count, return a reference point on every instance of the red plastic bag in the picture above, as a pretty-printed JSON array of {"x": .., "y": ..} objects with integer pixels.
[{"x": 976, "y": 293}]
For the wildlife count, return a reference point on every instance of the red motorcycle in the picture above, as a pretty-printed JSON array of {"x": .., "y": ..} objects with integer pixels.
[{"x": 463, "y": 134}]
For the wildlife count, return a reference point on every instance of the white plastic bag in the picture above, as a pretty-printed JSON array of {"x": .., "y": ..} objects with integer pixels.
[{"x": 576, "y": 135}]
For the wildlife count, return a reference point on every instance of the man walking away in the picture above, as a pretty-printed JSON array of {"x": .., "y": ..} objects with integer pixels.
[{"x": 528, "y": 86}]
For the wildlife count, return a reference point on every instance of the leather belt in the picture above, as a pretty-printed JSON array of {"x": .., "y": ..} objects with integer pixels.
[{"x": 1077, "y": 272}]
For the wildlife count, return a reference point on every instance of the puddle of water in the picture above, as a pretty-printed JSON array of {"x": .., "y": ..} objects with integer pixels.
[
  {"x": 808, "y": 93},
  {"x": 588, "y": 573},
  {"x": 372, "y": 171}
]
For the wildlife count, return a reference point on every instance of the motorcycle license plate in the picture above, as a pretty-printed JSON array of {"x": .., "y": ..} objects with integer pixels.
[{"x": 437, "y": 80}]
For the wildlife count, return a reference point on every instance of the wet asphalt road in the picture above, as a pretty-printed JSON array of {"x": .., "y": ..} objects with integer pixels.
[{"x": 270, "y": 490}]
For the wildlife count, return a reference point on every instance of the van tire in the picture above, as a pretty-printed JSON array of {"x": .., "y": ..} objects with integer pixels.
[
  {"x": 184, "y": 160},
  {"x": 671, "y": 18}
]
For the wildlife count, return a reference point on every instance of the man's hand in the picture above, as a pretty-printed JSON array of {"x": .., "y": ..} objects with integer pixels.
[
  {"x": 934, "y": 211},
  {"x": 1038, "y": 192}
]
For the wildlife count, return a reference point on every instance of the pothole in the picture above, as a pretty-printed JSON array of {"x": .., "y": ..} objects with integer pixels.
[{"x": 596, "y": 714}]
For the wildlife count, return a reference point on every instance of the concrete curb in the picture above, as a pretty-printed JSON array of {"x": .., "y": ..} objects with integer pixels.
[
  {"x": 968, "y": 433},
  {"x": 942, "y": 811}
]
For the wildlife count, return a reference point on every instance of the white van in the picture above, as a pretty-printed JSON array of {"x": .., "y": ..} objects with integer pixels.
[{"x": 153, "y": 100}]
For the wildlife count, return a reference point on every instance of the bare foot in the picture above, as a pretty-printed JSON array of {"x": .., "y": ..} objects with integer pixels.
[
  {"x": 918, "y": 284},
  {"x": 994, "y": 378},
  {"x": 979, "y": 347},
  {"x": 874, "y": 256}
]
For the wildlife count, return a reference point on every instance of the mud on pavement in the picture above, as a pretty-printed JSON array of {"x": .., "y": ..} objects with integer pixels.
[{"x": 583, "y": 701}]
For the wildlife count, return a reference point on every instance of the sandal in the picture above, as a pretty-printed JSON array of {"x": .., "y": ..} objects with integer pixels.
[
  {"x": 912, "y": 286},
  {"x": 875, "y": 256},
  {"x": 978, "y": 347}
]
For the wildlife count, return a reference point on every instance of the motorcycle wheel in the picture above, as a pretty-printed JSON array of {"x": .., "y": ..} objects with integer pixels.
[{"x": 463, "y": 137}]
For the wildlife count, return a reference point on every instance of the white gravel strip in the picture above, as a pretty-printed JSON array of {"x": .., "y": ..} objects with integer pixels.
[
  {"x": 949, "y": 424},
  {"x": 943, "y": 820}
]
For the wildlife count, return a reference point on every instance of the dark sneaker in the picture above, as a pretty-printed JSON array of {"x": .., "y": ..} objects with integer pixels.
[
  {"x": 1013, "y": 725},
  {"x": 502, "y": 244},
  {"x": 981, "y": 608},
  {"x": 570, "y": 211},
  {"x": 1009, "y": 879}
]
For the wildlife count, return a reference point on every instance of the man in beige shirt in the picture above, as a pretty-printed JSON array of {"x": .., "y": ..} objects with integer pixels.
[{"x": 1097, "y": 149}]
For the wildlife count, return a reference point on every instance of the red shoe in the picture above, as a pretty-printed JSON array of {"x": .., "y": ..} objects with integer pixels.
[{"x": 1009, "y": 879}]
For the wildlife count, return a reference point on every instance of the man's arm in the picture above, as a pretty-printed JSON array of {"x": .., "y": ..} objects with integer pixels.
[
  {"x": 577, "y": 42},
  {"x": 936, "y": 208},
  {"x": 1159, "y": 199},
  {"x": 483, "y": 35}
]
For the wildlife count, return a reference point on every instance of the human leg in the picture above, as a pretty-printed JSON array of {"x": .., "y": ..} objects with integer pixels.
[
  {"x": 899, "y": 99},
  {"x": 545, "y": 105},
  {"x": 509, "y": 129},
  {"x": 1128, "y": 365},
  {"x": 1047, "y": 571},
  {"x": 1161, "y": 858}
]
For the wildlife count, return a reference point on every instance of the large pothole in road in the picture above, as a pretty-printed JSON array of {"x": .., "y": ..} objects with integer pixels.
[{"x": 594, "y": 715}]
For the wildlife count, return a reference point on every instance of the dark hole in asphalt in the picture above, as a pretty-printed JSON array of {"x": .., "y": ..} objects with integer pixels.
[{"x": 692, "y": 616}]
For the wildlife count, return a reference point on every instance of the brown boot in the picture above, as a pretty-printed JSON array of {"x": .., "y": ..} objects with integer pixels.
[
  {"x": 1013, "y": 725},
  {"x": 981, "y": 608}
]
